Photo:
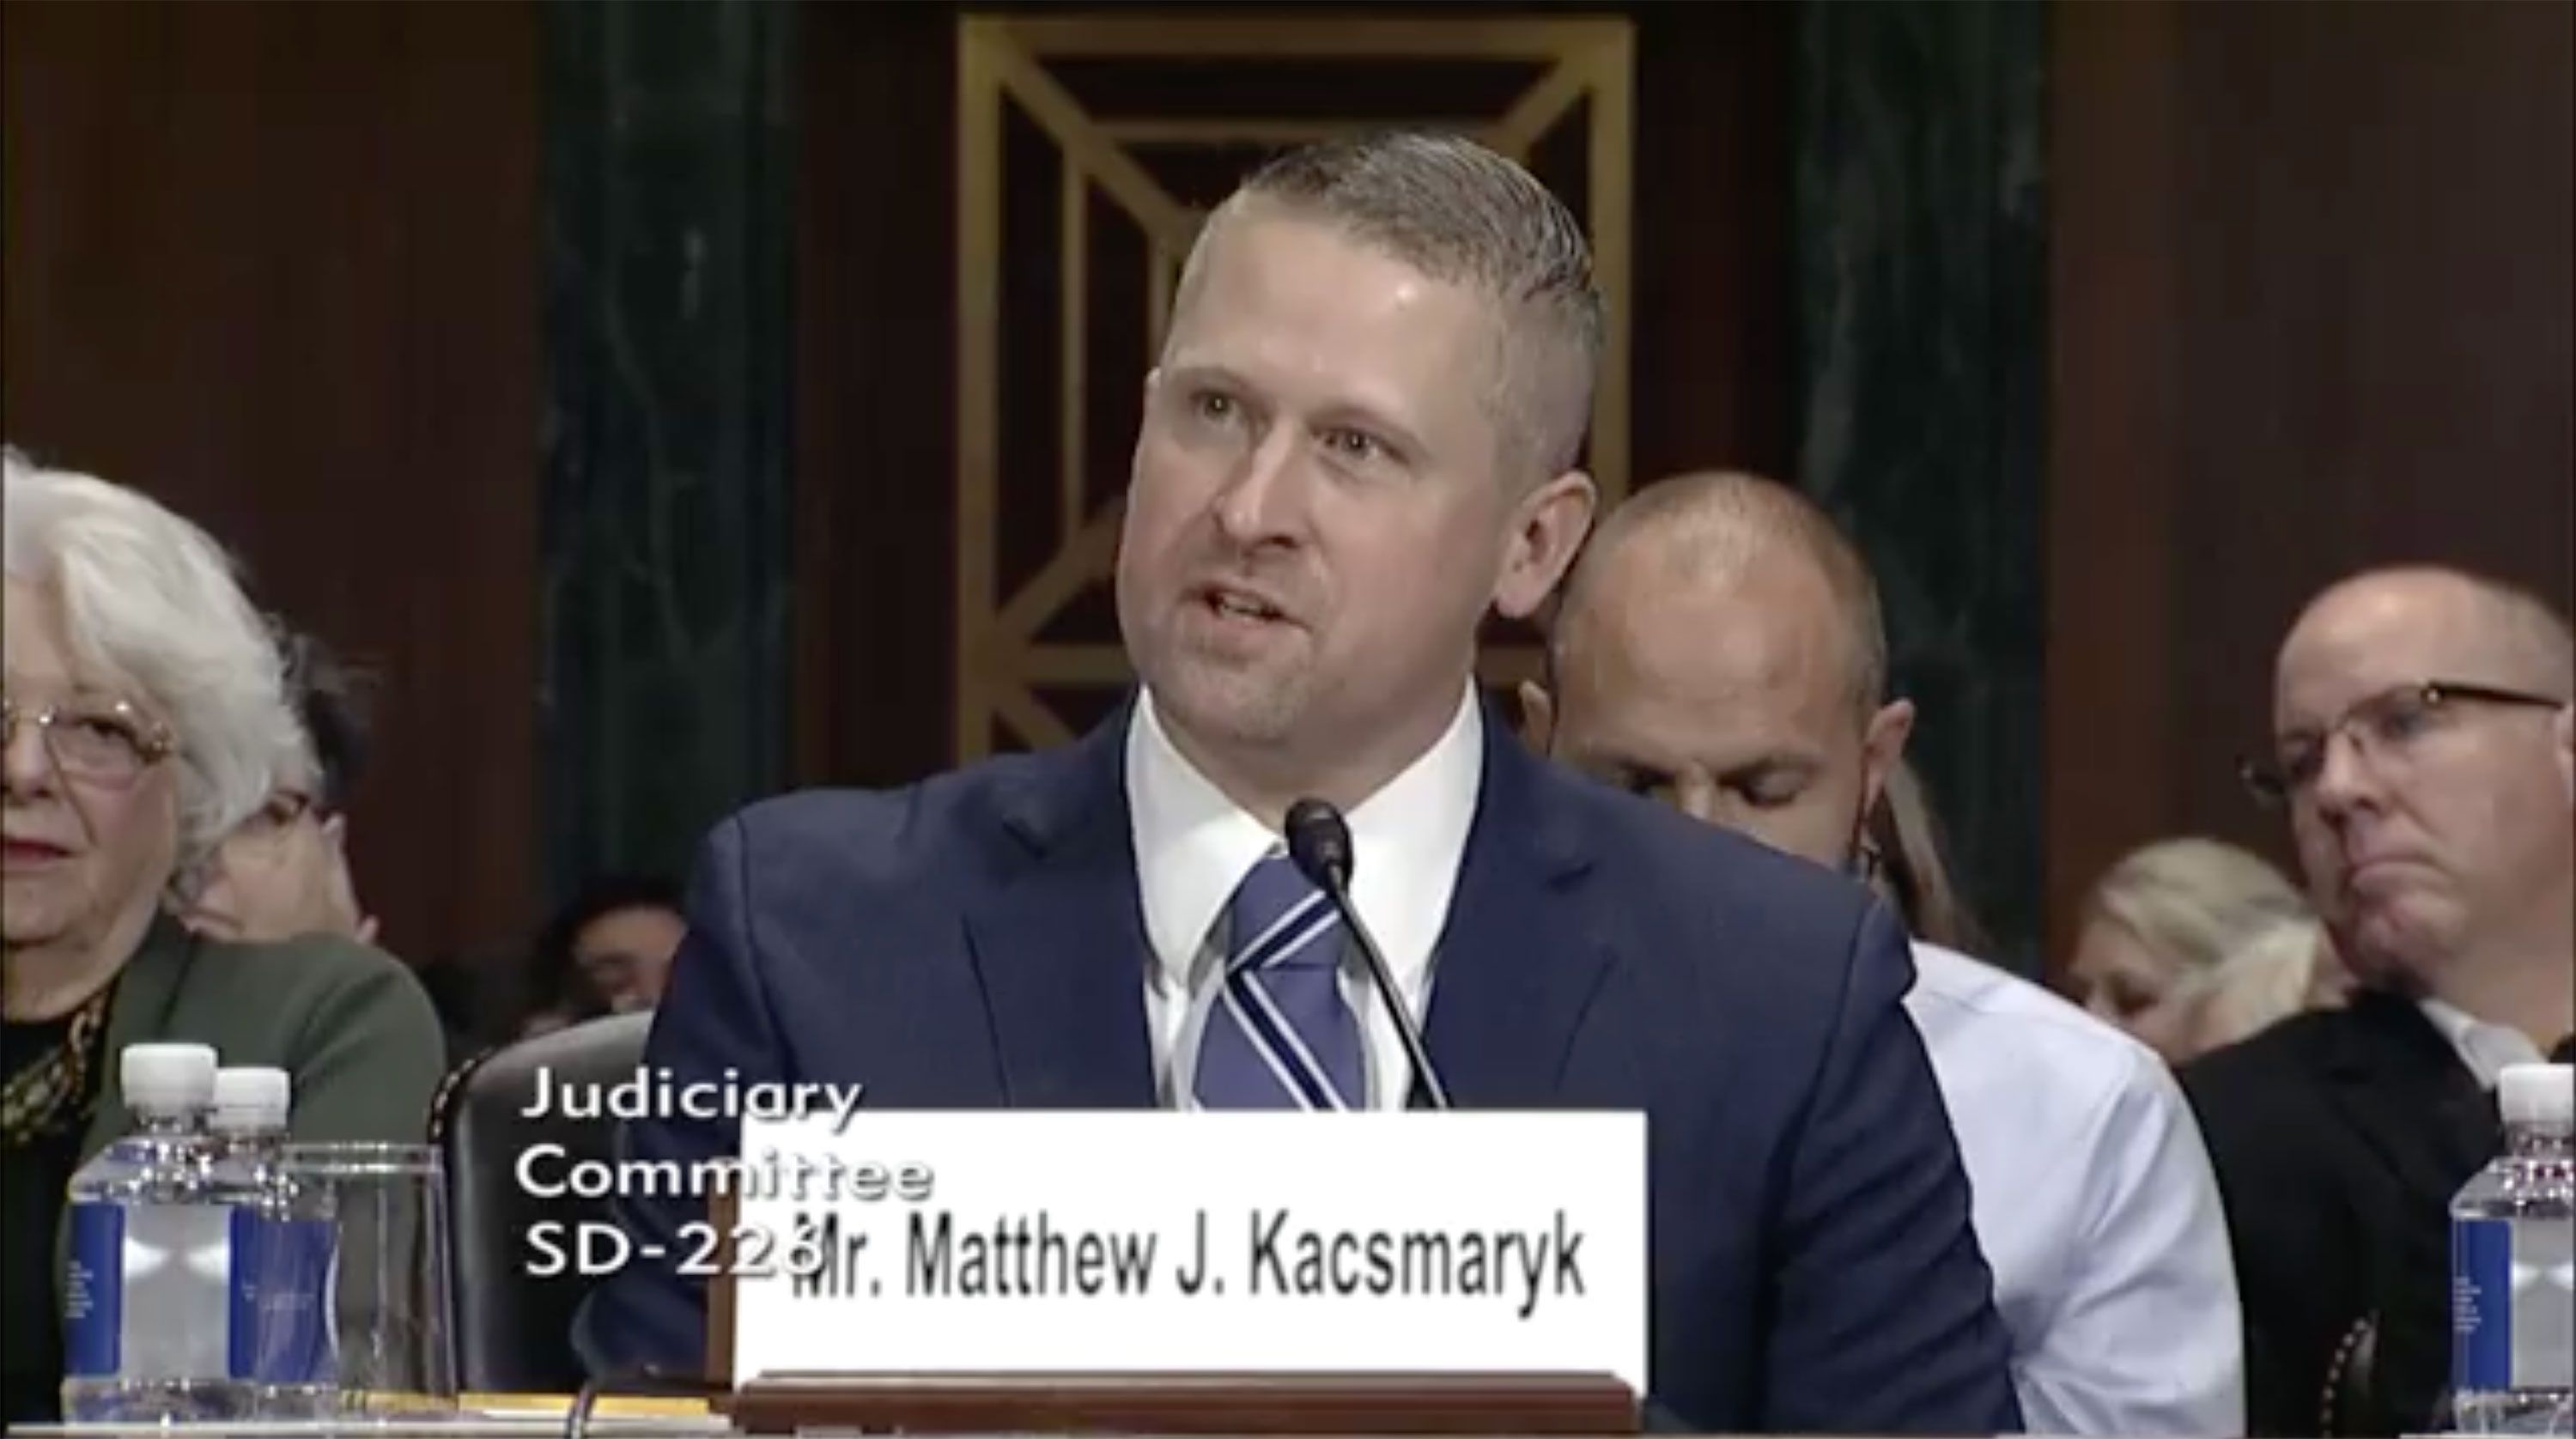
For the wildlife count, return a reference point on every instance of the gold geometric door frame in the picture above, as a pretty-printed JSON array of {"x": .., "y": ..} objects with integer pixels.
[{"x": 1003, "y": 654}]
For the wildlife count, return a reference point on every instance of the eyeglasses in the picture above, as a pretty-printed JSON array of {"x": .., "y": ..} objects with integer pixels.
[
  {"x": 106, "y": 743},
  {"x": 270, "y": 823},
  {"x": 2386, "y": 723}
]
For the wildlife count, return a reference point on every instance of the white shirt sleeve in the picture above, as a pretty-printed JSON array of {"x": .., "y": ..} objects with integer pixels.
[{"x": 2144, "y": 1335}]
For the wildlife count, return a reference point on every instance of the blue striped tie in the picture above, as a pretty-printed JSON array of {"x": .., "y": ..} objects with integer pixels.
[{"x": 1279, "y": 1035}]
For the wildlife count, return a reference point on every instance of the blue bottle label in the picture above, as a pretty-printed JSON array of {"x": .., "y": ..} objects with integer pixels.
[
  {"x": 94, "y": 1292},
  {"x": 249, "y": 1262},
  {"x": 2513, "y": 1304},
  {"x": 281, "y": 1300},
  {"x": 2481, "y": 1304}
]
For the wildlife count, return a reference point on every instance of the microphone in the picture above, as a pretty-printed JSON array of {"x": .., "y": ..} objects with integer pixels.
[{"x": 1319, "y": 841}]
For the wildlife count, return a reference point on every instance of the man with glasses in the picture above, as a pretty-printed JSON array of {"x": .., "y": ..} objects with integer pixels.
[
  {"x": 284, "y": 871},
  {"x": 2424, "y": 758},
  {"x": 1720, "y": 647}
]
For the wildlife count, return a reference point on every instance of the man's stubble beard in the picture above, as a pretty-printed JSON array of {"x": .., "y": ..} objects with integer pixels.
[{"x": 1251, "y": 705}]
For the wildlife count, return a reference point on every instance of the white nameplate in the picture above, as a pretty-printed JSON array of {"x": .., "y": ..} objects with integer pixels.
[{"x": 1038, "y": 1241}]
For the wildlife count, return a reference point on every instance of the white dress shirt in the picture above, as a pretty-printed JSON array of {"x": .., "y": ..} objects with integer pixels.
[
  {"x": 2095, "y": 1204},
  {"x": 1194, "y": 845},
  {"x": 2487, "y": 1049}
]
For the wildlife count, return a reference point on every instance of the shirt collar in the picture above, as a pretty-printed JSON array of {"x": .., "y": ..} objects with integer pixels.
[
  {"x": 1193, "y": 845},
  {"x": 2487, "y": 1049}
]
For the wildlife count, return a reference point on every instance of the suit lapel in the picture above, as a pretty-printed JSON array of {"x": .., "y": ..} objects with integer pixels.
[
  {"x": 1518, "y": 964},
  {"x": 1060, "y": 946},
  {"x": 2411, "y": 1100}
]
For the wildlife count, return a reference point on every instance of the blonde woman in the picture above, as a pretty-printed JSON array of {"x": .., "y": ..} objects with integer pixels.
[
  {"x": 2288, "y": 969},
  {"x": 2163, "y": 919}
]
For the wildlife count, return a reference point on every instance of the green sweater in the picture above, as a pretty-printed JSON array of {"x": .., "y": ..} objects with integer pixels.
[{"x": 350, "y": 1025}]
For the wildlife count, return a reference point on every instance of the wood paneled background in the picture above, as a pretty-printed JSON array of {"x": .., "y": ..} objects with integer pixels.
[
  {"x": 276, "y": 265},
  {"x": 2311, "y": 304},
  {"x": 2308, "y": 269}
]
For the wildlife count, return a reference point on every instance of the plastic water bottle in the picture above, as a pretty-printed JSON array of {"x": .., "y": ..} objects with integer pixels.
[
  {"x": 147, "y": 1290},
  {"x": 2513, "y": 1266},
  {"x": 283, "y": 1244}
]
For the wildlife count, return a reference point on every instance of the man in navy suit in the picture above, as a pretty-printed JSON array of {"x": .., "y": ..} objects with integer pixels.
[{"x": 1361, "y": 436}]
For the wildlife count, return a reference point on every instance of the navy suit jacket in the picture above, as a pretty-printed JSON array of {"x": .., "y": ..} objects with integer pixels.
[{"x": 976, "y": 941}]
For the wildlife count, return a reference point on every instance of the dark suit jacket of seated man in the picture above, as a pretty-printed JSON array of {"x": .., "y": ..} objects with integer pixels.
[{"x": 975, "y": 942}]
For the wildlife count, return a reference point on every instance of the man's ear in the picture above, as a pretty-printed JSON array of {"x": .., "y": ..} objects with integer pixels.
[
  {"x": 1548, "y": 526},
  {"x": 1883, "y": 748},
  {"x": 1538, "y": 717}
]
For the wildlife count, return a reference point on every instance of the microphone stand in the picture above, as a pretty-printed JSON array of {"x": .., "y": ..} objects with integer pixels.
[{"x": 1319, "y": 841}]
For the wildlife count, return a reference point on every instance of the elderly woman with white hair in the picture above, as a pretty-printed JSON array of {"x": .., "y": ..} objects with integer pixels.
[{"x": 145, "y": 717}]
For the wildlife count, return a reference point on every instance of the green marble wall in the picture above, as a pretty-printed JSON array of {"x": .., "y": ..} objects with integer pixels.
[
  {"x": 1920, "y": 234},
  {"x": 668, "y": 248}
]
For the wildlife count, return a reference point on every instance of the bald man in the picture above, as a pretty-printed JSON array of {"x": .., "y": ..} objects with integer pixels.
[
  {"x": 2424, "y": 753},
  {"x": 1720, "y": 645}
]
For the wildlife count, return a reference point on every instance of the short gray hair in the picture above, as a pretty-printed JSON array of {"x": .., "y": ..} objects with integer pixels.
[
  {"x": 1467, "y": 216},
  {"x": 152, "y": 598}
]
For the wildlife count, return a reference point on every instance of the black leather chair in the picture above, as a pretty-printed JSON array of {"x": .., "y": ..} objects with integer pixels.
[{"x": 514, "y": 1329}]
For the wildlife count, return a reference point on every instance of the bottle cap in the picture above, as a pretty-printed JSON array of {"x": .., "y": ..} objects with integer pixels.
[
  {"x": 250, "y": 1099},
  {"x": 167, "y": 1078},
  {"x": 2537, "y": 1094}
]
